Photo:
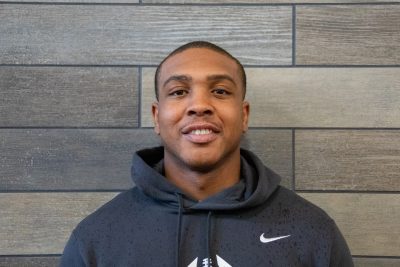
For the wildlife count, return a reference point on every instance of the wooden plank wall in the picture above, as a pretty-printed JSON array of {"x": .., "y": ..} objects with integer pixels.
[{"x": 76, "y": 87}]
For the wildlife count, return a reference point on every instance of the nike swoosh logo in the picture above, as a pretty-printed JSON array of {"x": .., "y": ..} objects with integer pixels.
[{"x": 267, "y": 240}]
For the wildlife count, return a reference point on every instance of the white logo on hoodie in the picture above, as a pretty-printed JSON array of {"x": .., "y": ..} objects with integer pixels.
[{"x": 208, "y": 263}]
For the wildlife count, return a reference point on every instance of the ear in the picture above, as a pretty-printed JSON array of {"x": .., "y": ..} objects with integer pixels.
[
  {"x": 245, "y": 115},
  {"x": 154, "y": 111}
]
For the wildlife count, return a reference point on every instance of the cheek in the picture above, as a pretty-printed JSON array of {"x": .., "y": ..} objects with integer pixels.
[
  {"x": 169, "y": 115},
  {"x": 233, "y": 121}
]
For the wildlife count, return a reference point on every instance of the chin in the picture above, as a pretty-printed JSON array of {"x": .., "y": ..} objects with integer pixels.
[
  {"x": 202, "y": 167},
  {"x": 203, "y": 163}
]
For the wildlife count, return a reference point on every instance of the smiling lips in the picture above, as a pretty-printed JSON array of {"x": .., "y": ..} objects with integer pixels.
[{"x": 201, "y": 133}]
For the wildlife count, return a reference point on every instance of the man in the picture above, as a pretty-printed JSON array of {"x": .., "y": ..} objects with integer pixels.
[{"x": 200, "y": 200}]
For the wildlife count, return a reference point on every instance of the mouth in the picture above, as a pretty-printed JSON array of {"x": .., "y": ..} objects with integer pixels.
[{"x": 201, "y": 133}]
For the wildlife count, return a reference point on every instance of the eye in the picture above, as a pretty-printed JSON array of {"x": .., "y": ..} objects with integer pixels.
[
  {"x": 220, "y": 91},
  {"x": 178, "y": 92}
]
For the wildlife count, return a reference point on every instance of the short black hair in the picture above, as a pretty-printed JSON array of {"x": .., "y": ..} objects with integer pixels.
[{"x": 200, "y": 44}]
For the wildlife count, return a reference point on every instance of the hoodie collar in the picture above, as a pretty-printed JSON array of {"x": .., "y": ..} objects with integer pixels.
[{"x": 256, "y": 183}]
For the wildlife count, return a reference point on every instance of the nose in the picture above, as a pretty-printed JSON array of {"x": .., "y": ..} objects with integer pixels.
[{"x": 200, "y": 103}]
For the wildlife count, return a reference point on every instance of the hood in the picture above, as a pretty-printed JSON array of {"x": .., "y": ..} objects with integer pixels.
[{"x": 256, "y": 184}]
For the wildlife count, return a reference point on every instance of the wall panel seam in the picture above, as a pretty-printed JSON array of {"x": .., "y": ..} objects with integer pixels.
[
  {"x": 329, "y": 128},
  {"x": 375, "y": 257},
  {"x": 330, "y": 191},
  {"x": 139, "y": 97},
  {"x": 293, "y": 159},
  {"x": 147, "y": 4},
  {"x": 70, "y": 128},
  {"x": 349, "y": 4},
  {"x": 13, "y": 191},
  {"x": 29, "y": 255},
  {"x": 348, "y": 66},
  {"x": 151, "y": 127},
  {"x": 154, "y": 66},
  {"x": 72, "y": 65},
  {"x": 200, "y": 4},
  {"x": 68, "y": 3},
  {"x": 294, "y": 35}
]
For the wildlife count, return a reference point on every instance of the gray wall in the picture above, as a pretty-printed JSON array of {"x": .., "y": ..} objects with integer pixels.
[{"x": 76, "y": 88}]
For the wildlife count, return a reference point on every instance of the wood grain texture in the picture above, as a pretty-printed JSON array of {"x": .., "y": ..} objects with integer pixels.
[
  {"x": 68, "y": 96},
  {"x": 312, "y": 97},
  {"x": 347, "y": 160},
  {"x": 30, "y": 261},
  {"x": 40, "y": 223},
  {"x": 376, "y": 262},
  {"x": 96, "y": 34},
  {"x": 324, "y": 97},
  {"x": 148, "y": 97},
  {"x": 369, "y": 222},
  {"x": 353, "y": 34},
  {"x": 274, "y": 148},
  {"x": 63, "y": 159}
]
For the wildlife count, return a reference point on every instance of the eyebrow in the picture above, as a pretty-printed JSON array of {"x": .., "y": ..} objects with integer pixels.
[
  {"x": 187, "y": 78},
  {"x": 178, "y": 78},
  {"x": 219, "y": 77}
]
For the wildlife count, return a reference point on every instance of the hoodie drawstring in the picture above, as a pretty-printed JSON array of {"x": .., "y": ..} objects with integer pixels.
[
  {"x": 208, "y": 245},
  {"x": 178, "y": 230}
]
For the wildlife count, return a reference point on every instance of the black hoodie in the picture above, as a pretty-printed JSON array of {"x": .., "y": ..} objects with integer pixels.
[{"x": 253, "y": 223}]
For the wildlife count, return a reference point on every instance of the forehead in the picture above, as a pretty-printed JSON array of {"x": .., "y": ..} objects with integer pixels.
[{"x": 197, "y": 61}]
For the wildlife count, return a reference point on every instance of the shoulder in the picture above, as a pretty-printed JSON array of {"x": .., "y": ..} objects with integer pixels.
[
  {"x": 296, "y": 202},
  {"x": 300, "y": 211},
  {"x": 315, "y": 232},
  {"x": 117, "y": 211}
]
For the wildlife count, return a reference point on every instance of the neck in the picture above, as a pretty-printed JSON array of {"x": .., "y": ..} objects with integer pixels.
[{"x": 201, "y": 185}]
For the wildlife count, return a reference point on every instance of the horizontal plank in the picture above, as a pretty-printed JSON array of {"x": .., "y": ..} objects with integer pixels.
[
  {"x": 29, "y": 261},
  {"x": 137, "y": 34},
  {"x": 40, "y": 223},
  {"x": 347, "y": 160},
  {"x": 369, "y": 222},
  {"x": 312, "y": 97},
  {"x": 63, "y": 159},
  {"x": 68, "y": 96},
  {"x": 324, "y": 97},
  {"x": 376, "y": 262},
  {"x": 350, "y": 34}
]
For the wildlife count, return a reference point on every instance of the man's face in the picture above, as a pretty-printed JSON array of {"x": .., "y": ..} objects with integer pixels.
[{"x": 200, "y": 114}]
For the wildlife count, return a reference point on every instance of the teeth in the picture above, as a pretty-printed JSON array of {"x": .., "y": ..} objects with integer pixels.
[{"x": 202, "y": 131}]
